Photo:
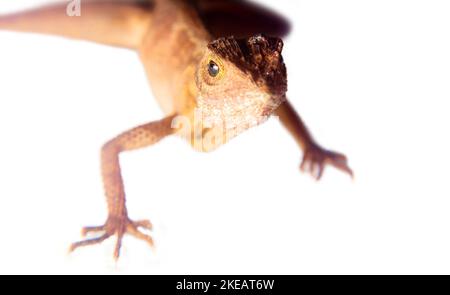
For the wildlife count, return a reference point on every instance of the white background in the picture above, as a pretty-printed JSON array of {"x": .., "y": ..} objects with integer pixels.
[{"x": 371, "y": 79}]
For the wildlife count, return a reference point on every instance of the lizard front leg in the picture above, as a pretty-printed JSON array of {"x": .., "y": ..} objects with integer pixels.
[
  {"x": 111, "y": 22},
  {"x": 118, "y": 222},
  {"x": 314, "y": 156}
]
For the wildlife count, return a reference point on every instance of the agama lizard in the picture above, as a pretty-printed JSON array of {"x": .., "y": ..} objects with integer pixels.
[{"x": 207, "y": 59}]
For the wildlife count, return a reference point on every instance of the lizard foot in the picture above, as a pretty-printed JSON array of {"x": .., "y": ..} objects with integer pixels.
[
  {"x": 115, "y": 226},
  {"x": 316, "y": 158}
]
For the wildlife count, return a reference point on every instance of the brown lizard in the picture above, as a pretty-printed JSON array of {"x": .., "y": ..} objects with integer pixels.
[{"x": 211, "y": 66}]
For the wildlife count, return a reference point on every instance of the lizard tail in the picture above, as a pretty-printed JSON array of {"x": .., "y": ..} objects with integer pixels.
[
  {"x": 118, "y": 23},
  {"x": 241, "y": 18}
]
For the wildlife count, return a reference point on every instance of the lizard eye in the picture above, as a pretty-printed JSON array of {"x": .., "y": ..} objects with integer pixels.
[{"x": 213, "y": 69}]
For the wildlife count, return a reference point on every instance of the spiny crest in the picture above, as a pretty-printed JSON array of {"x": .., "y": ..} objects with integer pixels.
[{"x": 258, "y": 55}]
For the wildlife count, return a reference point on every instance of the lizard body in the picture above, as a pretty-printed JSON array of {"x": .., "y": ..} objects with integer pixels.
[{"x": 195, "y": 69}]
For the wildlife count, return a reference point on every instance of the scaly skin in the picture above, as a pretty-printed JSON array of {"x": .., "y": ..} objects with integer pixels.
[{"x": 232, "y": 84}]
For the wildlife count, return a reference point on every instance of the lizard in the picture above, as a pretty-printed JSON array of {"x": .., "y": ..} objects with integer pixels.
[{"x": 220, "y": 60}]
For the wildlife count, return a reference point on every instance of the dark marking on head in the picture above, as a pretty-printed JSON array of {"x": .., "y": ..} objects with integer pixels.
[{"x": 258, "y": 55}]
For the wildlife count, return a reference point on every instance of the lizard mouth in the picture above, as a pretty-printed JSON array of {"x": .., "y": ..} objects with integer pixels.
[
  {"x": 272, "y": 105},
  {"x": 260, "y": 56}
]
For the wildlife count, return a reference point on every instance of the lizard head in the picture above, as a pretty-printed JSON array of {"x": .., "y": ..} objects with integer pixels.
[{"x": 240, "y": 82}]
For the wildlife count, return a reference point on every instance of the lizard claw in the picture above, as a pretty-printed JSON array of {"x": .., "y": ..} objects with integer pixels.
[
  {"x": 316, "y": 158},
  {"x": 115, "y": 226}
]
